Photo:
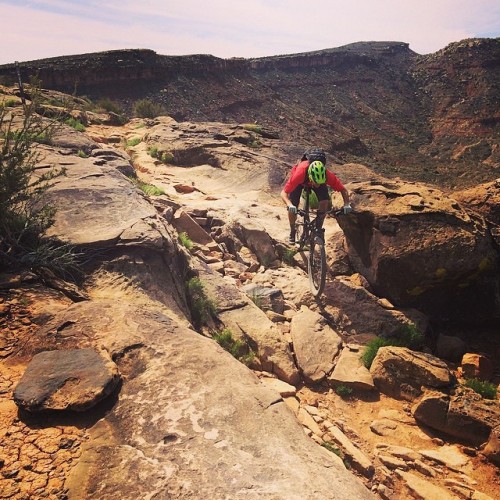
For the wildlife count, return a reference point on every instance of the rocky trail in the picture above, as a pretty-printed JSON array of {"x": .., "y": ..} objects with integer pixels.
[{"x": 179, "y": 390}]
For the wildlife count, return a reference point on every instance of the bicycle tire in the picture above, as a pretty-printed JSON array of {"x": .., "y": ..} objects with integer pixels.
[{"x": 316, "y": 268}]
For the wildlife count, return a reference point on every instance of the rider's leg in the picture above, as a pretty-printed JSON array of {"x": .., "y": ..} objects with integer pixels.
[
  {"x": 295, "y": 199},
  {"x": 324, "y": 200}
]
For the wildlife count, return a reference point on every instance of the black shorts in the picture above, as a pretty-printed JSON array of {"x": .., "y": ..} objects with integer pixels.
[{"x": 321, "y": 192}]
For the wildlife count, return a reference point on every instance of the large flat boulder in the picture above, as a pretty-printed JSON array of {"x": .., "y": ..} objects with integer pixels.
[
  {"x": 191, "y": 421},
  {"x": 418, "y": 247},
  {"x": 70, "y": 379},
  {"x": 464, "y": 415},
  {"x": 401, "y": 373}
]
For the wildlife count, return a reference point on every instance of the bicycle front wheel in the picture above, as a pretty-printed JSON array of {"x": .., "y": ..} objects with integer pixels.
[{"x": 317, "y": 265}]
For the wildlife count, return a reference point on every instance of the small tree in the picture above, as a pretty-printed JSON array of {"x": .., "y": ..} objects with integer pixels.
[{"x": 25, "y": 212}]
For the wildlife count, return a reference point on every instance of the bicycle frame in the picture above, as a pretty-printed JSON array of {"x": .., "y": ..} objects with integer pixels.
[{"x": 311, "y": 236}]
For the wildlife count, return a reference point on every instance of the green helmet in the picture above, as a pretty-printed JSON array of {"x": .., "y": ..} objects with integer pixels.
[{"x": 317, "y": 172}]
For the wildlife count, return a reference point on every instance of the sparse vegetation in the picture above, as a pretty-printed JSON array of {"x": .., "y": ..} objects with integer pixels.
[
  {"x": 163, "y": 156},
  {"x": 408, "y": 336},
  {"x": 486, "y": 389},
  {"x": 144, "y": 108},
  {"x": 252, "y": 127},
  {"x": 236, "y": 348},
  {"x": 133, "y": 142},
  {"x": 148, "y": 189},
  {"x": 82, "y": 154},
  {"x": 26, "y": 214},
  {"x": 343, "y": 391},
  {"x": 185, "y": 240},
  {"x": 108, "y": 105},
  {"x": 8, "y": 103},
  {"x": 76, "y": 124},
  {"x": 288, "y": 255},
  {"x": 202, "y": 308}
]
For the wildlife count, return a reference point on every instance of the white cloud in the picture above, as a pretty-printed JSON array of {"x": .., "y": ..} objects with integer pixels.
[{"x": 227, "y": 28}]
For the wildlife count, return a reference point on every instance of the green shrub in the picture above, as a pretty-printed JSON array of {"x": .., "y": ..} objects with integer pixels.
[
  {"x": 202, "y": 308},
  {"x": 252, "y": 127},
  {"x": 407, "y": 336},
  {"x": 486, "y": 389},
  {"x": 343, "y": 391},
  {"x": 76, "y": 124},
  {"x": 144, "y": 108},
  {"x": 153, "y": 152},
  {"x": 82, "y": 154},
  {"x": 110, "y": 106},
  {"x": 372, "y": 348},
  {"x": 25, "y": 212},
  {"x": 185, "y": 240},
  {"x": 288, "y": 255},
  {"x": 236, "y": 348},
  {"x": 150, "y": 189},
  {"x": 8, "y": 103},
  {"x": 133, "y": 142},
  {"x": 410, "y": 336}
]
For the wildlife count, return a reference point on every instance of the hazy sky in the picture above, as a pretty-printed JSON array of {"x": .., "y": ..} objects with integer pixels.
[{"x": 235, "y": 28}]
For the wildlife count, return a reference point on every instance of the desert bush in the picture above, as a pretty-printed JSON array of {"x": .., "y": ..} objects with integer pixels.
[
  {"x": 144, "y": 108},
  {"x": 133, "y": 142},
  {"x": 108, "y": 105},
  {"x": 486, "y": 389},
  {"x": 76, "y": 124},
  {"x": 26, "y": 213},
  {"x": 236, "y": 348},
  {"x": 202, "y": 308},
  {"x": 343, "y": 391},
  {"x": 185, "y": 240}
]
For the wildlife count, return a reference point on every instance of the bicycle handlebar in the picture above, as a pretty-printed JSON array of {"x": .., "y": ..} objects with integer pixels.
[{"x": 335, "y": 213}]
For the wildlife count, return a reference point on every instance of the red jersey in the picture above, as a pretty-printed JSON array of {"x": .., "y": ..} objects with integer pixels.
[{"x": 298, "y": 176}]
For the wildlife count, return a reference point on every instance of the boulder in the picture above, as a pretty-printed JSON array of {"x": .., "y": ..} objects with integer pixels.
[
  {"x": 73, "y": 379},
  {"x": 184, "y": 223},
  {"x": 418, "y": 247},
  {"x": 256, "y": 238},
  {"x": 98, "y": 206},
  {"x": 266, "y": 298},
  {"x": 350, "y": 371},
  {"x": 190, "y": 420},
  {"x": 359, "y": 312},
  {"x": 400, "y": 372},
  {"x": 476, "y": 365},
  {"x": 316, "y": 345},
  {"x": 492, "y": 448},
  {"x": 485, "y": 200},
  {"x": 464, "y": 415}
]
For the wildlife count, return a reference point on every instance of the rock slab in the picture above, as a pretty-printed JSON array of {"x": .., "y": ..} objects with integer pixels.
[{"x": 74, "y": 379}]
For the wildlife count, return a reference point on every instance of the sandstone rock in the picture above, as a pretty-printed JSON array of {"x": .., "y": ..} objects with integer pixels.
[
  {"x": 451, "y": 348},
  {"x": 422, "y": 488},
  {"x": 255, "y": 237},
  {"x": 492, "y": 448},
  {"x": 74, "y": 379},
  {"x": 476, "y": 366},
  {"x": 399, "y": 237},
  {"x": 350, "y": 371},
  {"x": 214, "y": 411},
  {"x": 183, "y": 222},
  {"x": 316, "y": 345},
  {"x": 358, "y": 311},
  {"x": 266, "y": 298},
  {"x": 464, "y": 415},
  {"x": 400, "y": 372},
  {"x": 359, "y": 460}
]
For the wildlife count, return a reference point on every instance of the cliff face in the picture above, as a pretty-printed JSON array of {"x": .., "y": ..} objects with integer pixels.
[{"x": 432, "y": 118}]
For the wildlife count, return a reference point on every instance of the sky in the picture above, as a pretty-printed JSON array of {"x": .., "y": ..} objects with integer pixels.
[{"x": 37, "y": 29}]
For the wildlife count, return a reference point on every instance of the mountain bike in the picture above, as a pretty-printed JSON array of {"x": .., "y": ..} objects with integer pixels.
[{"x": 311, "y": 237}]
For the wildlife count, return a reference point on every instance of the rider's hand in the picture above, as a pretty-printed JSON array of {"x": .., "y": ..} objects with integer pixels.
[
  {"x": 347, "y": 209},
  {"x": 292, "y": 209}
]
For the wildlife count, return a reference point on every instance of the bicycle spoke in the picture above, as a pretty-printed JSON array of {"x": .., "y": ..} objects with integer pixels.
[{"x": 317, "y": 265}]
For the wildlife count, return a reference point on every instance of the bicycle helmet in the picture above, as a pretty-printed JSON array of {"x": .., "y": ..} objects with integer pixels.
[{"x": 317, "y": 172}]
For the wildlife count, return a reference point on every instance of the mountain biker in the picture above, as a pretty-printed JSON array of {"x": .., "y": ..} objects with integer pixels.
[{"x": 311, "y": 171}]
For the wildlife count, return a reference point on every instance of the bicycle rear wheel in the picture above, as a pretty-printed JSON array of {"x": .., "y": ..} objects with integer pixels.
[{"x": 317, "y": 265}]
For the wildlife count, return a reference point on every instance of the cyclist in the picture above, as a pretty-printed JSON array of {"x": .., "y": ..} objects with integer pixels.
[{"x": 314, "y": 174}]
